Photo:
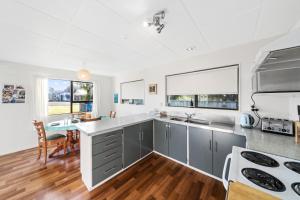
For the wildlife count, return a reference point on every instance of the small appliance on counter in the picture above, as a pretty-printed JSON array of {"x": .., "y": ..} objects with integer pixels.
[
  {"x": 280, "y": 126},
  {"x": 246, "y": 120}
]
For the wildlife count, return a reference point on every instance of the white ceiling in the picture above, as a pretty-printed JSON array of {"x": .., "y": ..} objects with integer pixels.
[{"x": 107, "y": 36}]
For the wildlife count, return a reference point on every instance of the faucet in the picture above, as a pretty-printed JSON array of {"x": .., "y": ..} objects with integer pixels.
[{"x": 189, "y": 116}]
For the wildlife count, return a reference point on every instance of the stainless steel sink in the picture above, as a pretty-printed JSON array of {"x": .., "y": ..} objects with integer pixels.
[
  {"x": 193, "y": 121},
  {"x": 198, "y": 121},
  {"x": 180, "y": 119}
]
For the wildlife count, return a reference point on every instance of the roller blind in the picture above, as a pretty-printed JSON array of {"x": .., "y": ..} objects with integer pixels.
[
  {"x": 211, "y": 81},
  {"x": 133, "y": 90}
]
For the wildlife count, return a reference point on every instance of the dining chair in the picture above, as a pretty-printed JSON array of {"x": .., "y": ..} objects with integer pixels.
[
  {"x": 112, "y": 114},
  {"x": 44, "y": 142}
]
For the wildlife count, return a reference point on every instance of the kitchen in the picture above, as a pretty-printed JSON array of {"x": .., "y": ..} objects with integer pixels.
[{"x": 172, "y": 100}]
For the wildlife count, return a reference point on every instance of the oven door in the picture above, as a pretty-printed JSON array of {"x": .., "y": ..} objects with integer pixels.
[{"x": 226, "y": 168}]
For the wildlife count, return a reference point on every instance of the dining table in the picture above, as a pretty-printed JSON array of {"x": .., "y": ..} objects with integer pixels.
[{"x": 68, "y": 126}]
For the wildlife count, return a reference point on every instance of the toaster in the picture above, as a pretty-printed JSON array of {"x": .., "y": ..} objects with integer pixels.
[{"x": 280, "y": 126}]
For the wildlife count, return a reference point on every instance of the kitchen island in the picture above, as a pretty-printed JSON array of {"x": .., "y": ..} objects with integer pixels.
[{"x": 109, "y": 147}]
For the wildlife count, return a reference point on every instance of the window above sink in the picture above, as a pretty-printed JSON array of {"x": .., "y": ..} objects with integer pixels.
[{"x": 215, "y": 88}]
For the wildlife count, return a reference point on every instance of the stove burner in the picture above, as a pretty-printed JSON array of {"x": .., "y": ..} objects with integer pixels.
[
  {"x": 295, "y": 166},
  {"x": 260, "y": 159},
  {"x": 263, "y": 179},
  {"x": 296, "y": 188}
]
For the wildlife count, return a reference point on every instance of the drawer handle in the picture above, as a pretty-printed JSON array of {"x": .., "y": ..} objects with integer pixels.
[
  {"x": 108, "y": 170},
  {"x": 111, "y": 135},
  {"x": 109, "y": 144},
  {"x": 110, "y": 155}
]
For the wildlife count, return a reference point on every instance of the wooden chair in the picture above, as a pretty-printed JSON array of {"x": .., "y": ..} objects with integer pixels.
[
  {"x": 112, "y": 114},
  {"x": 44, "y": 142}
]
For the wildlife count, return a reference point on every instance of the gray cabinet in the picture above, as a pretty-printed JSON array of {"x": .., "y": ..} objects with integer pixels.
[
  {"x": 138, "y": 142},
  {"x": 223, "y": 143},
  {"x": 208, "y": 149},
  {"x": 146, "y": 138},
  {"x": 177, "y": 136},
  {"x": 132, "y": 151},
  {"x": 106, "y": 155},
  {"x": 161, "y": 137},
  {"x": 200, "y": 149},
  {"x": 171, "y": 140}
]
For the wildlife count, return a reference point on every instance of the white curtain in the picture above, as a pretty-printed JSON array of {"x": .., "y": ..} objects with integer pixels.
[
  {"x": 96, "y": 98},
  {"x": 41, "y": 98}
]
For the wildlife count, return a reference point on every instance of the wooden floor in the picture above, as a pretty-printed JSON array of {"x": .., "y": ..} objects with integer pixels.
[{"x": 155, "y": 177}]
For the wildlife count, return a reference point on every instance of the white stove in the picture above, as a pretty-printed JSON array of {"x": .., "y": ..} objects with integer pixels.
[{"x": 266, "y": 172}]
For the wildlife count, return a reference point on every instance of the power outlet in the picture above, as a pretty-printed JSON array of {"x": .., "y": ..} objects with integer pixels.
[{"x": 254, "y": 109}]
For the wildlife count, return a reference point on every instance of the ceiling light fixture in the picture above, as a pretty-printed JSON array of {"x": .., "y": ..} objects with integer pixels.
[
  {"x": 157, "y": 21},
  {"x": 84, "y": 75},
  {"x": 191, "y": 48}
]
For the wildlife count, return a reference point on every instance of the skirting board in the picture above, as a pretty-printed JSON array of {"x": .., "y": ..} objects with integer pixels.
[{"x": 184, "y": 164}]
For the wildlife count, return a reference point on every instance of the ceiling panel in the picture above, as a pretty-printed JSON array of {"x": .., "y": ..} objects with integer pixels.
[
  {"x": 235, "y": 31},
  {"x": 19, "y": 15},
  {"x": 277, "y": 17},
  {"x": 98, "y": 19},
  {"x": 63, "y": 9},
  {"x": 108, "y": 34}
]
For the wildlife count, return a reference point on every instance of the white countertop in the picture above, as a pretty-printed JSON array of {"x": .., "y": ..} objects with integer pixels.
[
  {"x": 103, "y": 126},
  {"x": 256, "y": 139}
]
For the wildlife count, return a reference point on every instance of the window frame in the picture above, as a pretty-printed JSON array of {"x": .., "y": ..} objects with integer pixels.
[
  {"x": 195, "y": 96},
  {"x": 71, "y": 96}
]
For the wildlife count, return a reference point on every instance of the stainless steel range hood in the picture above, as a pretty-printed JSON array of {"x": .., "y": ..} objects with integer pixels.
[{"x": 277, "y": 66}]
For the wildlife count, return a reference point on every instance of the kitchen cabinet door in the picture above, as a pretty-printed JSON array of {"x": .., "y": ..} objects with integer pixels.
[
  {"x": 178, "y": 142},
  {"x": 200, "y": 149},
  {"x": 222, "y": 146},
  {"x": 161, "y": 137},
  {"x": 146, "y": 138},
  {"x": 132, "y": 149}
]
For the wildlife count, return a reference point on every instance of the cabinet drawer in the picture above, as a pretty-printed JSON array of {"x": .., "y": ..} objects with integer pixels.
[
  {"x": 107, "y": 145},
  {"x": 106, "y": 157},
  {"x": 105, "y": 171},
  {"x": 106, "y": 136}
]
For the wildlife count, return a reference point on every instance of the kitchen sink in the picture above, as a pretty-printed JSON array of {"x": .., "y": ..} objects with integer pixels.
[
  {"x": 197, "y": 121},
  {"x": 192, "y": 121},
  {"x": 180, "y": 119}
]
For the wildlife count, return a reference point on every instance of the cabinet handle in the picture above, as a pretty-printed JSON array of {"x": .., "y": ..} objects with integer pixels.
[
  {"x": 142, "y": 135},
  {"x": 110, "y": 135},
  {"x": 109, "y": 144},
  {"x": 110, "y": 155},
  {"x": 216, "y": 146},
  {"x": 209, "y": 144},
  {"x": 108, "y": 170},
  {"x": 166, "y": 134}
]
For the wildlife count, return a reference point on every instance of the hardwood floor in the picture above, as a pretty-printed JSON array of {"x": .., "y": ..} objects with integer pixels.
[{"x": 155, "y": 177}]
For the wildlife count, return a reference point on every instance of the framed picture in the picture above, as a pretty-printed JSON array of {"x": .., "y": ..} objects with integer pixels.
[
  {"x": 152, "y": 88},
  {"x": 116, "y": 98},
  {"x": 13, "y": 94}
]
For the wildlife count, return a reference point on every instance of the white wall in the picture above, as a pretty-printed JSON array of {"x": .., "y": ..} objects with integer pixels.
[
  {"x": 274, "y": 105},
  {"x": 15, "y": 119}
]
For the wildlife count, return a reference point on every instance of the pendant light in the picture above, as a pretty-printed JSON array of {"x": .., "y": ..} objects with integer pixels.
[{"x": 84, "y": 75}]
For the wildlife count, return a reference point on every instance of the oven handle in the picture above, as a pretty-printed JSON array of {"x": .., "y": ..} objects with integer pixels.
[{"x": 225, "y": 182}]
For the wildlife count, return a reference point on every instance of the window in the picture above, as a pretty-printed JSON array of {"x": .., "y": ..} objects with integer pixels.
[
  {"x": 217, "y": 101},
  {"x": 181, "y": 101},
  {"x": 215, "y": 88},
  {"x": 133, "y": 92},
  {"x": 66, "y": 97}
]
